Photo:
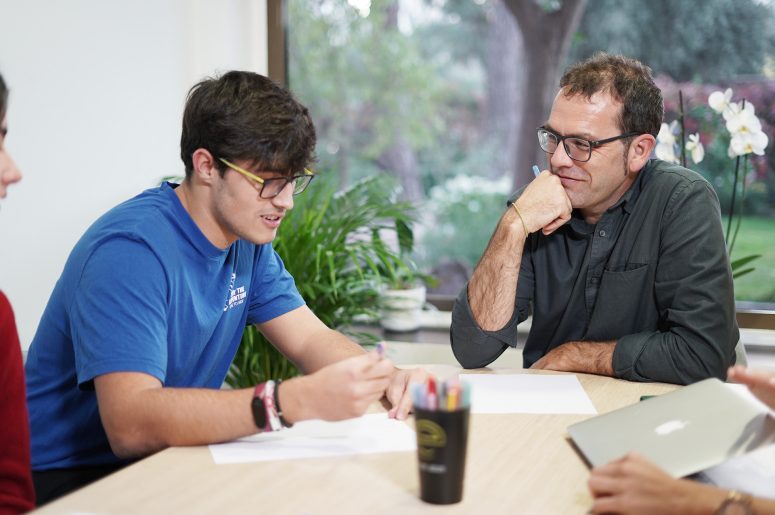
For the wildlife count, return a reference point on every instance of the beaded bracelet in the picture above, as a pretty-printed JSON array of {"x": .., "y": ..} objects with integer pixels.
[{"x": 277, "y": 405}]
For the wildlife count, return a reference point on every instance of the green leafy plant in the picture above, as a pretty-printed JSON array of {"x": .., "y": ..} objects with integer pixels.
[
  {"x": 333, "y": 244},
  {"x": 403, "y": 273}
]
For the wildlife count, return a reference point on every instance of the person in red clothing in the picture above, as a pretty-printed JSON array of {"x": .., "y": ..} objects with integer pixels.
[{"x": 16, "y": 492}]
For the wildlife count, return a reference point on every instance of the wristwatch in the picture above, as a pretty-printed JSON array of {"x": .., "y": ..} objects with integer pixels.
[
  {"x": 736, "y": 503},
  {"x": 263, "y": 405},
  {"x": 266, "y": 407}
]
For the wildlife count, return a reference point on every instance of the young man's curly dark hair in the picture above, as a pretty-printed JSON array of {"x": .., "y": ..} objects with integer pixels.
[{"x": 246, "y": 116}]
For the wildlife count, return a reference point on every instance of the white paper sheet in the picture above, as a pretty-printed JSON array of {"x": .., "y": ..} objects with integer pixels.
[
  {"x": 368, "y": 434},
  {"x": 753, "y": 472},
  {"x": 527, "y": 393}
]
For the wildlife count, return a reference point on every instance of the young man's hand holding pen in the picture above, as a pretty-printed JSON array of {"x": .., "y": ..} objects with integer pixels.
[
  {"x": 399, "y": 393},
  {"x": 338, "y": 391},
  {"x": 347, "y": 388}
]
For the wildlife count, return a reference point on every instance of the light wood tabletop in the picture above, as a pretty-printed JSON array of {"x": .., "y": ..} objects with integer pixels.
[{"x": 517, "y": 463}]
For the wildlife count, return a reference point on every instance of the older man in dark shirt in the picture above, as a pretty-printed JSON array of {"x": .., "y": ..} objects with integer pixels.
[{"x": 621, "y": 257}]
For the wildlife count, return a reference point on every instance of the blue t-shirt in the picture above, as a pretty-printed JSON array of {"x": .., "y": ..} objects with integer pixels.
[{"x": 142, "y": 291}]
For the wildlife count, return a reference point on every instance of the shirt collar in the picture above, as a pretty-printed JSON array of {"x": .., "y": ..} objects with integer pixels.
[
  {"x": 630, "y": 197},
  {"x": 626, "y": 203}
]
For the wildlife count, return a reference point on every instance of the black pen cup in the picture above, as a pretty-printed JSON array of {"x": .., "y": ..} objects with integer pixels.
[{"x": 442, "y": 439}]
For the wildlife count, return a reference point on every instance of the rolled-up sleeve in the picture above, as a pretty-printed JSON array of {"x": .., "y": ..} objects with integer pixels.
[
  {"x": 472, "y": 346},
  {"x": 694, "y": 293}
]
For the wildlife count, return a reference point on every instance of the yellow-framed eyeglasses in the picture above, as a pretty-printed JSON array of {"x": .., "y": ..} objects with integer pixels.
[{"x": 270, "y": 188}]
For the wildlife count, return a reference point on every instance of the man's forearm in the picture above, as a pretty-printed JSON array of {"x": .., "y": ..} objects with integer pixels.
[
  {"x": 155, "y": 418},
  {"x": 584, "y": 357},
  {"x": 325, "y": 347},
  {"x": 140, "y": 416},
  {"x": 311, "y": 345},
  {"x": 492, "y": 289}
]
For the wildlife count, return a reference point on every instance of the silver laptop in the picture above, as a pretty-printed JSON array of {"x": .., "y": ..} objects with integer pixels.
[{"x": 684, "y": 432}]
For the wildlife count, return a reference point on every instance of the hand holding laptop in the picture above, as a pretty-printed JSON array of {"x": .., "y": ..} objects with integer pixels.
[{"x": 634, "y": 485}]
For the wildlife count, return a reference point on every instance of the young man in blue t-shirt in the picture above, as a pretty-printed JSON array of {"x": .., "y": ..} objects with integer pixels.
[{"x": 147, "y": 316}]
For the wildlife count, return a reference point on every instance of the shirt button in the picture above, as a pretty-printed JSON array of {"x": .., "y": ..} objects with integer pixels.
[{"x": 602, "y": 234}]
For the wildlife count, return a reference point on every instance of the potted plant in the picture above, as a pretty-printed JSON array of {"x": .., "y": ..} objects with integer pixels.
[
  {"x": 402, "y": 299},
  {"x": 402, "y": 295},
  {"x": 332, "y": 243}
]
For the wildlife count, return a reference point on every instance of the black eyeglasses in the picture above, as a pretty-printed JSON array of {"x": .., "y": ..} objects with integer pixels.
[
  {"x": 578, "y": 149},
  {"x": 270, "y": 188}
]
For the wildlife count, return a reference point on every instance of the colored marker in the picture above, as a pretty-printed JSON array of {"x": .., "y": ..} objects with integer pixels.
[
  {"x": 466, "y": 395},
  {"x": 381, "y": 347},
  {"x": 452, "y": 397},
  {"x": 536, "y": 170},
  {"x": 433, "y": 400}
]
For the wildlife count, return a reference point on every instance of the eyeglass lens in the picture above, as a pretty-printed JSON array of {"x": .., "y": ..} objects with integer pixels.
[
  {"x": 273, "y": 187},
  {"x": 577, "y": 149}
]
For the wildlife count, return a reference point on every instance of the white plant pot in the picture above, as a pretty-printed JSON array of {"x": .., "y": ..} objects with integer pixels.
[{"x": 400, "y": 309}]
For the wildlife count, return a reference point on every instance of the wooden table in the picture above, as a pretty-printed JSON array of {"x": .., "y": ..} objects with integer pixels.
[{"x": 516, "y": 464}]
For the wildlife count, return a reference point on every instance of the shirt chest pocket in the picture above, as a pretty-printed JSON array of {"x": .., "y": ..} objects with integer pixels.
[{"x": 624, "y": 303}]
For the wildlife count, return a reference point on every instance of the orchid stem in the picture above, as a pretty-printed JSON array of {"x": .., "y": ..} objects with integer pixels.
[
  {"x": 732, "y": 205},
  {"x": 683, "y": 128},
  {"x": 742, "y": 204},
  {"x": 731, "y": 245}
]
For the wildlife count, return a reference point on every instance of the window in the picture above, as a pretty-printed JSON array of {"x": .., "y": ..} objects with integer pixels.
[{"x": 441, "y": 95}]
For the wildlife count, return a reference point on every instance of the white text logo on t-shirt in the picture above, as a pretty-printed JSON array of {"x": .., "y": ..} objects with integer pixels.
[{"x": 236, "y": 295}]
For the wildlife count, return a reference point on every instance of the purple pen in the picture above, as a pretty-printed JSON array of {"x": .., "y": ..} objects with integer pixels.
[{"x": 381, "y": 349}]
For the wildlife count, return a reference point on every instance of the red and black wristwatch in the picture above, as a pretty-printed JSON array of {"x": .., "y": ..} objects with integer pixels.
[{"x": 266, "y": 407}]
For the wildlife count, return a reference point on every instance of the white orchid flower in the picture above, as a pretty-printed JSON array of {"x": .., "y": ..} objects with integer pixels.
[
  {"x": 719, "y": 101},
  {"x": 743, "y": 143},
  {"x": 695, "y": 148},
  {"x": 666, "y": 134},
  {"x": 666, "y": 152},
  {"x": 743, "y": 120},
  {"x": 666, "y": 144}
]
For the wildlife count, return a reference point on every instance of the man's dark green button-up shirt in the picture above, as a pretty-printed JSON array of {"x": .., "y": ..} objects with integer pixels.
[{"x": 653, "y": 275}]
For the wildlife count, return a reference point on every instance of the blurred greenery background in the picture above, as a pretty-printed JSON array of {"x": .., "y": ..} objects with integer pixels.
[{"x": 445, "y": 95}]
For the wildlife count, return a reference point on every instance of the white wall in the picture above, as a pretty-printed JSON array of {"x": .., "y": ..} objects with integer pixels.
[{"x": 97, "y": 92}]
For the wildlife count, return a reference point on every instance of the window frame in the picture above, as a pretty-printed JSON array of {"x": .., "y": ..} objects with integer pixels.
[{"x": 750, "y": 315}]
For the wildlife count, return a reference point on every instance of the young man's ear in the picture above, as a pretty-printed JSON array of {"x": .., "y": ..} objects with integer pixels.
[
  {"x": 205, "y": 168},
  {"x": 640, "y": 151}
]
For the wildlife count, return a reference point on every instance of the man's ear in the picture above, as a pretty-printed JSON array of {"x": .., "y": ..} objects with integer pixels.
[
  {"x": 640, "y": 151},
  {"x": 205, "y": 168}
]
